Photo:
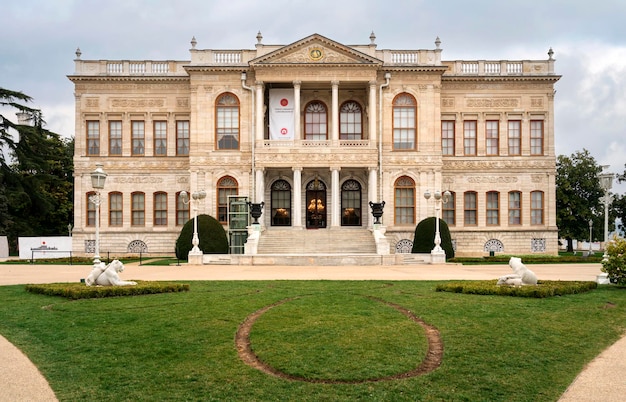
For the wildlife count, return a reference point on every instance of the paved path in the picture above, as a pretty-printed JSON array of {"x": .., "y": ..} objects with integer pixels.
[{"x": 604, "y": 379}]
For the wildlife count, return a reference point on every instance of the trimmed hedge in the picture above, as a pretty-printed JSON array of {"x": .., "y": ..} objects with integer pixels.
[
  {"x": 424, "y": 239},
  {"x": 527, "y": 259},
  {"x": 75, "y": 291},
  {"x": 541, "y": 290},
  {"x": 211, "y": 235}
]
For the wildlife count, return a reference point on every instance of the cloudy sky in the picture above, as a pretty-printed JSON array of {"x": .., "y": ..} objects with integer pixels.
[{"x": 39, "y": 38}]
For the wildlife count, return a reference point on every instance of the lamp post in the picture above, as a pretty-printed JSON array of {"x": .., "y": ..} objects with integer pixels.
[
  {"x": 590, "y": 226},
  {"x": 196, "y": 196},
  {"x": 439, "y": 199},
  {"x": 606, "y": 182},
  {"x": 98, "y": 178}
]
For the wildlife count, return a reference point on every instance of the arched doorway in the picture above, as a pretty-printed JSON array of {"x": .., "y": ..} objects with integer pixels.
[
  {"x": 281, "y": 203},
  {"x": 315, "y": 204},
  {"x": 351, "y": 203}
]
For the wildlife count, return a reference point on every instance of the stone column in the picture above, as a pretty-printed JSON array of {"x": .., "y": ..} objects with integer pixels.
[
  {"x": 372, "y": 114},
  {"x": 372, "y": 191},
  {"x": 260, "y": 185},
  {"x": 335, "y": 198},
  {"x": 335, "y": 112},
  {"x": 297, "y": 198},
  {"x": 296, "y": 110},
  {"x": 259, "y": 111}
]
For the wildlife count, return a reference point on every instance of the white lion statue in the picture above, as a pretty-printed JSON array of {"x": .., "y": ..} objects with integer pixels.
[
  {"x": 522, "y": 275},
  {"x": 107, "y": 275}
]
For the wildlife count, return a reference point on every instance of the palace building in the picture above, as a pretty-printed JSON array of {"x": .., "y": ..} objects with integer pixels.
[{"x": 316, "y": 130}]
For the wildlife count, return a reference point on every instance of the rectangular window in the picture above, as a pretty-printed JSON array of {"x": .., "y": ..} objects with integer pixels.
[
  {"x": 160, "y": 209},
  {"x": 160, "y": 138},
  {"x": 138, "y": 134},
  {"x": 91, "y": 210},
  {"x": 115, "y": 138},
  {"x": 405, "y": 206},
  {"x": 515, "y": 208},
  {"x": 93, "y": 138},
  {"x": 182, "y": 137},
  {"x": 182, "y": 211},
  {"x": 493, "y": 208},
  {"x": 515, "y": 138},
  {"x": 449, "y": 210},
  {"x": 469, "y": 137},
  {"x": 536, "y": 208},
  {"x": 115, "y": 209},
  {"x": 492, "y": 140},
  {"x": 470, "y": 211},
  {"x": 447, "y": 137},
  {"x": 138, "y": 209},
  {"x": 404, "y": 128},
  {"x": 536, "y": 137}
]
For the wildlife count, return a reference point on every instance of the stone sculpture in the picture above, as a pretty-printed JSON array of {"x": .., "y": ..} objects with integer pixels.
[
  {"x": 522, "y": 275},
  {"x": 107, "y": 275}
]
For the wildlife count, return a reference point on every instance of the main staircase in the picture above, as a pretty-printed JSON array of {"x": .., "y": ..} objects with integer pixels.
[{"x": 317, "y": 241}]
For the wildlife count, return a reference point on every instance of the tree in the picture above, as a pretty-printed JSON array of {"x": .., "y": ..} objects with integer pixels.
[
  {"x": 619, "y": 204},
  {"x": 36, "y": 186},
  {"x": 578, "y": 197}
]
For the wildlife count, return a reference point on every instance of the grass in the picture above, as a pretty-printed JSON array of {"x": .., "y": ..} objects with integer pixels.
[{"x": 180, "y": 346}]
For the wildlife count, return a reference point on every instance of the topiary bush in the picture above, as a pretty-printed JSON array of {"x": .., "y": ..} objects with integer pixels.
[
  {"x": 541, "y": 290},
  {"x": 424, "y": 239},
  {"x": 615, "y": 264},
  {"x": 211, "y": 233}
]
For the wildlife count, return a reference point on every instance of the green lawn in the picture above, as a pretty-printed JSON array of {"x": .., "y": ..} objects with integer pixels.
[{"x": 181, "y": 346}]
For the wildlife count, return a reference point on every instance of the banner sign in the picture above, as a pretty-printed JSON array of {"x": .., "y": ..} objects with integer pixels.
[
  {"x": 44, "y": 247},
  {"x": 281, "y": 114}
]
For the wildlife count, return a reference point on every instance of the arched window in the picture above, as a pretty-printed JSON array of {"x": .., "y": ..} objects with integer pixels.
[
  {"x": 536, "y": 207},
  {"x": 160, "y": 209},
  {"x": 449, "y": 210},
  {"x": 404, "y": 201},
  {"x": 470, "y": 208},
  {"x": 350, "y": 121},
  {"x": 515, "y": 208},
  {"x": 315, "y": 121},
  {"x": 351, "y": 203},
  {"x": 226, "y": 186},
  {"x": 91, "y": 209},
  {"x": 115, "y": 209},
  {"x": 281, "y": 203},
  {"x": 493, "y": 208},
  {"x": 138, "y": 208},
  {"x": 227, "y": 121},
  {"x": 182, "y": 210},
  {"x": 404, "y": 122}
]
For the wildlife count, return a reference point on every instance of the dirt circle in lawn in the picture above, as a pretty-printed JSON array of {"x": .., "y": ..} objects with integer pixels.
[{"x": 420, "y": 363}]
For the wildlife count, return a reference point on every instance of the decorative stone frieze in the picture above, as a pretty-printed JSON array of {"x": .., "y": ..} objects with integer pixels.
[
  {"x": 492, "y": 103},
  {"x": 137, "y": 103}
]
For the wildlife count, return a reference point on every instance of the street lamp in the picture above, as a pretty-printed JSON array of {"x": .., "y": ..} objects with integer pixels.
[
  {"x": 439, "y": 199},
  {"x": 606, "y": 182},
  {"x": 98, "y": 178},
  {"x": 196, "y": 196},
  {"x": 590, "y": 226}
]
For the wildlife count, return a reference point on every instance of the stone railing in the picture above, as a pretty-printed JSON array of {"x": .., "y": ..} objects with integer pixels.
[
  {"x": 127, "y": 67},
  {"x": 316, "y": 144},
  {"x": 501, "y": 68}
]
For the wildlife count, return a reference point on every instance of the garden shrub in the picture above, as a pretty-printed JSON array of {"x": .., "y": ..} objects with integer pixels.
[
  {"x": 541, "y": 290},
  {"x": 424, "y": 239},
  {"x": 75, "y": 291},
  {"x": 211, "y": 233},
  {"x": 615, "y": 264}
]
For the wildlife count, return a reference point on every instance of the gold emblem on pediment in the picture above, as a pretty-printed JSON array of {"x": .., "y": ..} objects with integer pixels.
[{"x": 316, "y": 53}]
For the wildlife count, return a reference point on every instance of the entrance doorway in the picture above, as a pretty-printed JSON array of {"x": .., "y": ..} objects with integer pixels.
[{"x": 315, "y": 205}]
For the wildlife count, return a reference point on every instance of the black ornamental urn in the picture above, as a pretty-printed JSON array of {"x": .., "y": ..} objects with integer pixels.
[{"x": 377, "y": 210}]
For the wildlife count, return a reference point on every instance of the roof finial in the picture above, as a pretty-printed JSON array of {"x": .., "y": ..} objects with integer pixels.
[
  {"x": 259, "y": 38},
  {"x": 372, "y": 38},
  {"x": 78, "y": 53},
  {"x": 437, "y": 42},
  {"x": 550, "y": 54},
  {"x": 193, "y": 42}
]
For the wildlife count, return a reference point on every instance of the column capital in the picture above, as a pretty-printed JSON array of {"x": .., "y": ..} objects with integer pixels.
[
  {"x": 258, "y": 83},
  {"x": 335, "y": 169},
  {"x": 373, "y": 83},
  {"x": 297, "y": 83},
  {"x": 297, "y": 168},
  {"x": 334, "y": 83}
]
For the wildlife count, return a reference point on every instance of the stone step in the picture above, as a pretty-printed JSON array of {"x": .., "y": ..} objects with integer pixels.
[{"x": 318, "y": 241}]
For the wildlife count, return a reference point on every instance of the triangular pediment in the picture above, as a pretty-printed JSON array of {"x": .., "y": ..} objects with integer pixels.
[{"x": 315, "y": 49}]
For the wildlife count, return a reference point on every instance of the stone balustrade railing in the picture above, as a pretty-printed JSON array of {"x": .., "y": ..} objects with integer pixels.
[
  {"x": 316, "y": 144},
  {"x": 129, "y": 67},
  {"x": 502, "y": 68}
]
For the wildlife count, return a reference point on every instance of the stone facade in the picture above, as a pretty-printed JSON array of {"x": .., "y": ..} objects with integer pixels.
[{"x": 370, "y": 125}]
